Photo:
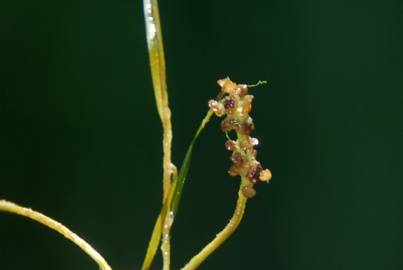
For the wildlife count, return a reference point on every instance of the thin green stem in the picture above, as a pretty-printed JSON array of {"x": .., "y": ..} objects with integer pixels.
[
  {"x": 224, "y": 234},
  {"x": 256, "y": 84},
  {"x": 58, "y": 227},
  {"x": 158, "y": 74},
  {"x": 166, "y": 243}
]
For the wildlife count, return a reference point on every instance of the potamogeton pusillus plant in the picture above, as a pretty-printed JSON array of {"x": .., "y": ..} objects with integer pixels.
[{"x": 234, "y": 105}]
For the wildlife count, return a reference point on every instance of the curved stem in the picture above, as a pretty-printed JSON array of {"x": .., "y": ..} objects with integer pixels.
[
  {"x": 224, "y": 234},
  {"x": 57, "y": 226}
]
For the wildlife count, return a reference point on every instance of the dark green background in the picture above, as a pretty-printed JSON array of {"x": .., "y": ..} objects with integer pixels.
[{"x": 80, "y": 137}]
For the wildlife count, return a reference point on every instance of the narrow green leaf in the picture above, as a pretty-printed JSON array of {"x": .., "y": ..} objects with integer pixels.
[
  {"x": 177, "y": 189},
  {"x": 158, "y": 74},
  {"x": 184, "y": 169},
  {"x": 153, "y": 244},
  {"x": 173, "y": 199},
  {"x": 156, "y": 55}
]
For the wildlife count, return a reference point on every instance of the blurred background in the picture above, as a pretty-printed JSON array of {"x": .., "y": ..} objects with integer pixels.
[{"x": 80, "y": 136}]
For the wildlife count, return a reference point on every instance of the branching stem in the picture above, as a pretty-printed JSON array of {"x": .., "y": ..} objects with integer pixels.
[{"x": 57, "y": 226}]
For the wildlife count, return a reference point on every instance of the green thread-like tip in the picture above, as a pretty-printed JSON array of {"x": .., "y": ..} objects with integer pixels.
[{"x": 256, "y": 84}]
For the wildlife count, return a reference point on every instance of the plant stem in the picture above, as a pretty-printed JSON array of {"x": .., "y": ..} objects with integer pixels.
[
  {"x": 167, "y": 214},
  {"x": 57, "y": 226},
  {"x": 158, "y": 74},
  {"x": 166, "y": 243},
  {"x": 166, "y": 251},
  {"x": 224, "y": 234}
]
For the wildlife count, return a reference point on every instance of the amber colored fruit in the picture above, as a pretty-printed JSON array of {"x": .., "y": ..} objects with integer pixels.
[
  {"x": 237, "y": 159},
  {"x": 230, "y": 145},
  {"x": 242, "y": 89},
  {"x": 234, "y": 170},
  {"x": 247, "y": 104},
  {"x": 248, "y": 191},
  {"x": 221, "y": 82},
  {"x": 228, "y": 124},
  {"x": 229, "y": 87},
  {"x": 265, "y": 175},
  {"x": 247, "y": 127}
]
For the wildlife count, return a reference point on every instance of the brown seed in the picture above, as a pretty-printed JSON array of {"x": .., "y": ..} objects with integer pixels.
[
  {"x": 229, "y": 124},
  {"x": 242, "y": 89},
  {"x": 226, "y": 125},
  {"x": 254, "y": 171},
  {"x": 237, "y": 159},
  {"x": 248, "y": 191},
  {"x": 247, "y": 126},
  {"x": 234, "y": 170},
  {"x": 230, "y": 145},
  {"x": 247, "y": 104},
  {"x": 229, "y": 104}
]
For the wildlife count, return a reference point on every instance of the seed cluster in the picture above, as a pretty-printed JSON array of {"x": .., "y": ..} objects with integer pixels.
[{"x": 235, "y": 106}]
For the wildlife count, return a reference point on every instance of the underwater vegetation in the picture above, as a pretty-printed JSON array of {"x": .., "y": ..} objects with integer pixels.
[{"x": 233, "y": 105}]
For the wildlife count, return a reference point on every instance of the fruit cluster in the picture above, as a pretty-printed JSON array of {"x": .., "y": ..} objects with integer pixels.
[{"x": 235, "y": 105}]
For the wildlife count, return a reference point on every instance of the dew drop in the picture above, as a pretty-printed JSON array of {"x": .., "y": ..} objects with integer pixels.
[{"x": 254, "y": 141}]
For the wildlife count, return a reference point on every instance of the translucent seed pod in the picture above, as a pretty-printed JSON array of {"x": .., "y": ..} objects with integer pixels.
[
  {"x": 247, "y": 104},
  {"x": 221, "y": 82},
  {"x": 227, "y": 85},
  {"x": 265, "y": 175},
  {"x": 241, "y": 90},
  {"x": 216, "y": 107}
]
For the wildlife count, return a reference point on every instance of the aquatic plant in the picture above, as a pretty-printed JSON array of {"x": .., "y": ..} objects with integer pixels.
[{"x": 233, "y": 104}]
